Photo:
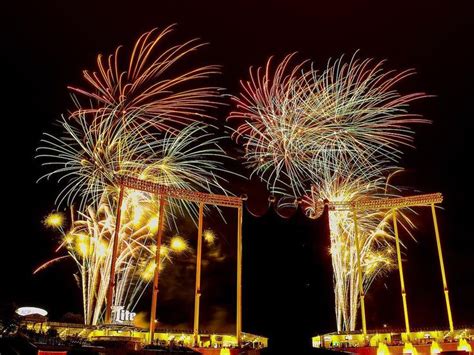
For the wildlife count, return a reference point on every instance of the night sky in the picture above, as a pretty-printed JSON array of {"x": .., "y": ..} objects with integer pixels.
[{"x": 287, "y": 272}]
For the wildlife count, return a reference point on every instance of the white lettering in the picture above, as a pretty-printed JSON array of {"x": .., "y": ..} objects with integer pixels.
[{"x": 121, "y": 315}]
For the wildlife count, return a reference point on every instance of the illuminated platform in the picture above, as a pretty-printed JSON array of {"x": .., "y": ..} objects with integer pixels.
[
  {"x": 395, "y": 342},
  {"x": 137, "y": 338}
]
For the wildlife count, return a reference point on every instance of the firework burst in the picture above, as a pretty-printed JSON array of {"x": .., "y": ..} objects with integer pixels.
[
  {"x": 294, "y": 122},
  {"x": 89, "y": 157},
  {"x": 145, "y": 84}
]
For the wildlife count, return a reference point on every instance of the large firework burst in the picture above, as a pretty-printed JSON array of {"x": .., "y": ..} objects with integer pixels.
[
  {"x": 294, "y": 120},
  {"x": 90, "y": 156},
  {"x": 146, "y": 84}
]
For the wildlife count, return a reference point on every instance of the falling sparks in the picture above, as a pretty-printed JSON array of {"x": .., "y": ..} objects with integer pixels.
[
  {"x": 209, "y": 236},
  {"x": 178, "y": 244},
  {"x": 54, "y": 220},
  {"x": 149, "y": 271},
  {"x": 153, "y": 224}
]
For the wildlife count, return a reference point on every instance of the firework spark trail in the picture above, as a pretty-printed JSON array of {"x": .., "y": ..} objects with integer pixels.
[
  {"x": 147, "y": 84},
  {"x": 340, "y": 132}
]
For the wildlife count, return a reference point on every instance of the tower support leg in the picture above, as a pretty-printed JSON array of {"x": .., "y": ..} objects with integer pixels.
[
  {"x": 441, "y": 264},
  {"x": 197, "y": 291},
  {"x": 359, "y": 270},
  {"x": 111, "y": 286},
  {"x": 239, "y": 276},
  {"x": 156, "y": 275},
  {"x": 400, "y": 269}
]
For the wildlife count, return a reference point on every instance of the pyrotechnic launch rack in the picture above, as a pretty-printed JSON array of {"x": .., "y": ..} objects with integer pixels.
[{"x": 164, "y": 193}]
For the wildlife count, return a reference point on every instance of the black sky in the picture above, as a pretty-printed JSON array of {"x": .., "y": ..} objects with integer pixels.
[{"x": 287, "y": 280}]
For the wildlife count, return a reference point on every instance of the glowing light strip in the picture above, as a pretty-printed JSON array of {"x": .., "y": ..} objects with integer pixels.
[
  {"x": 173, "y": 192},
  {"x": 385, "y": 203},
  {"x": 398, "y": 202}
]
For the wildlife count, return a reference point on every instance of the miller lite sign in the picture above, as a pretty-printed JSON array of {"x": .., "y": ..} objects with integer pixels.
[{"x": 122, "y": 316}]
